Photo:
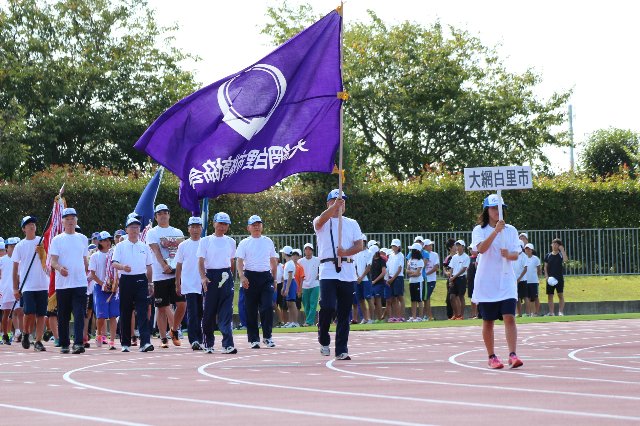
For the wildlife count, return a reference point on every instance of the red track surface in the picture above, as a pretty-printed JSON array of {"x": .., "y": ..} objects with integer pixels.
[{"x": 580, "y": 372}]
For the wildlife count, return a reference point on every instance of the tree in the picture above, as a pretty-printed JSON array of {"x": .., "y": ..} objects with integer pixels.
[
  {"x": 88, "y": 77},
  {"x": 607, "y": 151},
  {"x": 424, "y": 97}
]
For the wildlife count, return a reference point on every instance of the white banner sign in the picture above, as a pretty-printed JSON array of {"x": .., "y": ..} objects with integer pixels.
[{"x": 495, "y": 178}]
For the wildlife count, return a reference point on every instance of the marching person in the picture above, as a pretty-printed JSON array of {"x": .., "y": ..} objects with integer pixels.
[
  {"x": 257, "y": 263},
  {"x": 133, "y": 259},
  {"x": 106, "y": 300},
  {"x": 6, "y": 289},
  {"x": 35, "y": 283},
  {"x": 69, "y": 258},
  {"x": 337, "y": 272},
  {"x": 495, "y": 289},
  {"x": 188, "y": 281},
  {"x": 310, "y": 284},
  {"x": 215, "y": 264},
  {"x": 164, "y": 277}
]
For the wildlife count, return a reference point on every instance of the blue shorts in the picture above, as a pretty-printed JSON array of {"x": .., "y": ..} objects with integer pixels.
[
  {"x": 104, "y": 309},
  {"x": 35, "y": 302},
  {"x": 380, "y": 289},
  {"x": 292, "y": 292},
  {"x": 354, "y": 299},
  {"x": 491, "y": 311},
  {"x": 397, "y": 287},
  {"x": 364, "y": 290},
  {"x": 428, "y": 288}
]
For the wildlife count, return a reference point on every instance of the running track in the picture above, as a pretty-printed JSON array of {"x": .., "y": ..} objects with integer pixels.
[{"x": 585, "y": 373}]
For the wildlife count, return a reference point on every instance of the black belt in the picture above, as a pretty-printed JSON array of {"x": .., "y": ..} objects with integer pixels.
[{"x": 334, "y": 259}]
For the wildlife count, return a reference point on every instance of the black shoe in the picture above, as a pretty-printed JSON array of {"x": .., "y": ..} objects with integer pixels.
[
  {"x": 6, "y": 340},
  {"x": 39, "y": 347},
  {"x": 25, "y": 342},
  {"x": 64, "y": 350},
  {"x": 87, "y": 345},
  {"x": 148, "y": 347},
  {"x": 77, "y": 349},
  {"x": 47, "y": 336},
  {"x": 164, "y": 343}
]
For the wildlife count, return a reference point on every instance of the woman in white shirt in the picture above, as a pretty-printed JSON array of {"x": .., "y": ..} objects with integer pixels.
[{"x": 495, "y": 289}]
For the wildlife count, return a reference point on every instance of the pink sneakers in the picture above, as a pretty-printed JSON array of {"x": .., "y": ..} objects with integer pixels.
[
  {"x": 494, "y": 362},
  {"x": 514, "y": 361}
]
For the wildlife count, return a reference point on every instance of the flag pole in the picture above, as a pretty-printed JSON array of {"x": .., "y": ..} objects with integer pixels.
[{"x": 341, "y": 95}]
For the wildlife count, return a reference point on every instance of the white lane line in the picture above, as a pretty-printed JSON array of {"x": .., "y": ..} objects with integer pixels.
[
  {"x": 68, "y": 374},
  {"x": 452, "y": 359},
  {"x": 573, "y": 356},
  {"x": 100, "y": 419}
]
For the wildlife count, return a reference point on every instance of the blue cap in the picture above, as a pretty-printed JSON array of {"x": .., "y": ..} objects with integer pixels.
[
  {"x": 95, "y": 235},
  {"x": 92, "y": 247},
  {"x": 254, "y": 219},
  {"x": 194, "y": 220},
  {"x": 161, "y": 208},
  {"x": 119, "y": 232},
  {"x": 28, "y": 219},
  {"x": 69, "y": 211},
  {"x": 104, "y": 235},
  {"x": 132, "y": 221},
  {"x": 492, "y": 201},
  {"x": 335, "y": 194},
  {"x": 222, "y": 217}
]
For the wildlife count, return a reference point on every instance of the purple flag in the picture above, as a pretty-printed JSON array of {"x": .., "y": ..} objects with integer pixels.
[{"x": 248, "y": 131}]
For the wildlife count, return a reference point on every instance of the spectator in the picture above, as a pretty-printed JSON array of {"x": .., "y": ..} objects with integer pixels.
[{"x": 554, "y": 274}]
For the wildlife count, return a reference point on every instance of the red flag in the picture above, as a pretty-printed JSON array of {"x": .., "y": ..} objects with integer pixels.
[{"x": 54, "y": 229}]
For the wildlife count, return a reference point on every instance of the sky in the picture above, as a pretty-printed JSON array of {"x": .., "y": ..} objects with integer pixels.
[{"x": 588, "y": 46}]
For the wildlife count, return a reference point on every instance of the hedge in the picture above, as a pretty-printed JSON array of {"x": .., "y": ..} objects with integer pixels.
[{"x": 433, "y": 203}]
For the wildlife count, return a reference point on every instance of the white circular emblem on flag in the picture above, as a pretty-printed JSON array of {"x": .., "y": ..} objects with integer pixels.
[{"x": 249, "y": 99}]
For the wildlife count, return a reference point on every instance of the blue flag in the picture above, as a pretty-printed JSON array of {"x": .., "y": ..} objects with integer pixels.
[
  {"x": 248, "y": 131},
  {"x": 145, "y": 206}
]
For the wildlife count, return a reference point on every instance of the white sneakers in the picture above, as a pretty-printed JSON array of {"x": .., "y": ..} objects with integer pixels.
[
  {"x": 325, "y": 351},
  {"x": 269, "y": 343}
]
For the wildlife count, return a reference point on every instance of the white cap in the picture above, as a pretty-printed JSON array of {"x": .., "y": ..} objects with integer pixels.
[
  {"x": 372, "y": 243},
  {"x": 461, "y": 243},
  {"x": 133, "y": 220},
  {"x": 161, "y": 207},
  {"x": 254, "y": 219},
  {"x": 418, "y": 238},
  {"x": 69, "y": 211},
  {"x": 2, "y": 245},
  {"x": 415, "y": 246},
  {"x": 104, "y": 235},
  {"x": 194, "y": 220},
  {"x": 12, "y": 241},
  {"x": 523, "y": 234},
  {"x": 374, "y": 249},
  {"x": 427, "y": 242},
  {"x": 134, "y": 214},
  {"x": 396, "y": 242},
  {"x": 297, "y": 251},
  {"x": 308, "y": 245},
  {"x": 288, "y": 250},
  {"x": 552, "y": 281},
  {"x": 222, "y": 217},
  {"x": 529, "y": 246},
  {"x": 386, "y": 251}
]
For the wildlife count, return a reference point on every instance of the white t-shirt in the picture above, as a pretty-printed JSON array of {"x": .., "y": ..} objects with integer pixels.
[
  {"x": 256, "y": 253},
  {"x": 362, "y": 260},
  {"x": 98, "y": 264},
  {"x": 137, "y": 255},
  {"x": 495, "y": 279},
  {"x": 153, "y": 237},
  {"x": 434, "y": 259},
  {"x": 350, "y": 235},
  {"x": 279, "y": 273},
  {"x": 289, "y": 267},
  {"x": 396, "y": 260},
  {"x": 38, "y": 279},
  {"x": 71, "y": 250},
  {"x": 217, "y": 251},
  {"x": 6, "y": 279},
  {"x": 311, "y": 270},
  {"x": 531, "y": 277},
  {"x": 458, "y": 262},
  {"x": 188, "y": 256},
  {"x": 414, "y": 265},
  {"x": 518, "y": 265}
]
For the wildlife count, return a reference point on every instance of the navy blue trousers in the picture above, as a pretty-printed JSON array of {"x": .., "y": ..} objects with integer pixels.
[
  {"x": 335, "y": 297},
  {"x": 71, "y": 300},
  {"x": 194, "y": 317},
  {"x": 242, "y": 312},
  {"x": 259, "y": 296},
  {"x": 133, "y": 293},
  {"x": 218, "y": 308}
]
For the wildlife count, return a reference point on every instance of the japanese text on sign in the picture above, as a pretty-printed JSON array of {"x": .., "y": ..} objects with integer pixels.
[{"x": 494, "y": 178}]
